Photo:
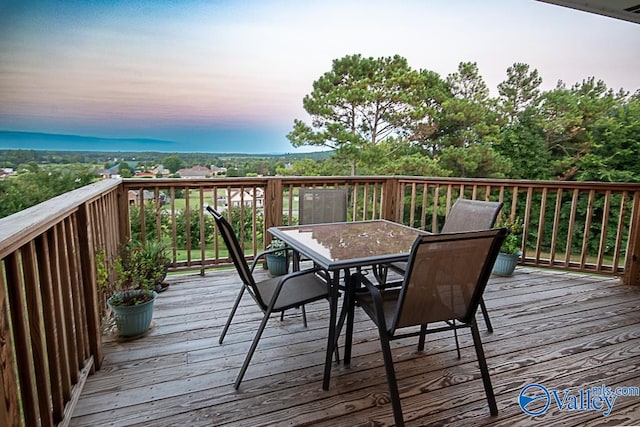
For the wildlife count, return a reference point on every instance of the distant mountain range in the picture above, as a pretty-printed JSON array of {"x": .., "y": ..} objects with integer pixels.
[
  {"x": 49, "y": 141},
  {"x": 52, "y": 143}
]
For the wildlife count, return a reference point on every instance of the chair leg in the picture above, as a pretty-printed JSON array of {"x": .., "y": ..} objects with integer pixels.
[
  {"x": 391, "y": 379},
  {"x": 348, "y": 308},
  {"x": 423, "y": 335},
  {"x": 485, "y": 314},
  {"x": 252, "y": 349},
  {"x": 484, "y": 369},
  {"x": 233, "y": 312},
  {"x": 380, "y": 272},
  {"x": 304, "y": 316},
  {"x": 455, "y": 335}
]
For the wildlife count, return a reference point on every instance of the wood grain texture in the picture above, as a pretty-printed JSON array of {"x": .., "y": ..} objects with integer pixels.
[{"x": 565, "y": 330}]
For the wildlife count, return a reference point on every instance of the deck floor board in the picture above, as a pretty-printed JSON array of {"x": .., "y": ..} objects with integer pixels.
[{"x": 560, "y": 329}]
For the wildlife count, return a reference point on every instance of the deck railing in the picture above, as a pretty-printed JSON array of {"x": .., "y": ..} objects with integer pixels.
[
  {"x": 584, "y": 226},
  {"x": 173, "y": 211},
  {"x": 51, "y": 305},
  {"x": 571, "y": 225}
]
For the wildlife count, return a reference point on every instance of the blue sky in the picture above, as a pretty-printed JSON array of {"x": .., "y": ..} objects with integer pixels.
[{"x": 231, "y": 75}]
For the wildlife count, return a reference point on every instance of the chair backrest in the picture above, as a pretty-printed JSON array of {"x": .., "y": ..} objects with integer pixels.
[
  {"x": 471, "y": 215},
  {"x": 446, "y": 276},
  {"x": 235, "y": 252},
  {"x": 322, "y": 205}
]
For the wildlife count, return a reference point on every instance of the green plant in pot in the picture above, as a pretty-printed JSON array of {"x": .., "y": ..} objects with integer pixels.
[
  {"x": 510, "y": 250},
  {"x": 138, "y": 270},
  {"x": 276, "y": 257}
]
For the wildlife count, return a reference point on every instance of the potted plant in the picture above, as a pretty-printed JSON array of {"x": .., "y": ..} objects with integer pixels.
[
  {"x": 276, "y": 257},
  {"x": 139, "y": 269},
  {"x": 510, "y": 250}
]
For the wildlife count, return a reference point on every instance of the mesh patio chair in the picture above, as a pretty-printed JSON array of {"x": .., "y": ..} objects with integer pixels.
[
  {"x": 467, "y": 215},
  {"x": 322, "y": 205},
  {"x": 445, "y": 277},
  {"x": 272, "y": 295}
]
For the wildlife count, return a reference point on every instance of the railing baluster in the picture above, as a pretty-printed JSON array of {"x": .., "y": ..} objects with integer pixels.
[
  {"x": 571, "y": 227},
  {"x": 556, "y": 224},
  {"x": 603, "y": 230},
  {"x": 587, "y": 229},
  {"x": 9, "y": 392},
  {"x": 514, "y": 203},
  {"x": 290, "y": 208},
  {"x": 413, "y": 205},
  {"x": 67, "y": 303},
  {"x": 201, "y": 221},
  {"x": 37, "y": 333},
  {"x": 365, "y": 199},
  {"x": 434, "y": 216},
  {"x": 632, "y": 259},
  {"x": 527, "y": 221},
  {"x": 52, "y": 327},
  {"x": 423, "y": 207},
  {"x": 19, "y": 320},
  {"x": 143, "y": 218},
  {"x": 59, "y": 297},
  {"x": 619, "y": 232},
  {"x": 543, "y": 208},
  {"x": 174, "y": 232},
  {"x": 187, "y": 223}
]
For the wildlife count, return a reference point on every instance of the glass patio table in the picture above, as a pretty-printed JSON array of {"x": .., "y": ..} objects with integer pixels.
[{"x": 344, "y": 245}]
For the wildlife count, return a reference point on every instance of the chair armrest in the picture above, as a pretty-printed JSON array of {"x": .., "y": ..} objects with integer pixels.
[
  {"x": 376, "y": 297},
  {"x": 288, "y": 276},
  {"x": 302, "y": 273}
]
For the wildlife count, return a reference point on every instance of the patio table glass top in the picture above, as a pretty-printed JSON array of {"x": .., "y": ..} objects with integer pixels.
[{"x": 350, "y": 244}]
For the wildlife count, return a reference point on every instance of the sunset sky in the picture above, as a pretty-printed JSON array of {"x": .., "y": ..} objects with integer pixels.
[{"x": 230, "y": 75}]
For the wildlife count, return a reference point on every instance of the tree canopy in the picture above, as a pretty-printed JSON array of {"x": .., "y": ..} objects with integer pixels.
[
  {"x": 363, "y": 101},
  {"x": 382, "y": 116}
]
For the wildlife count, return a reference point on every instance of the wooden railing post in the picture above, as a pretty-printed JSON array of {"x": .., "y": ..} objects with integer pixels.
[
  {"x": 272, "y": 206},
  {"x": 123, "y": 214},
  {"x": 391, "y": 200},
  {"x": 632, "y": 261}
]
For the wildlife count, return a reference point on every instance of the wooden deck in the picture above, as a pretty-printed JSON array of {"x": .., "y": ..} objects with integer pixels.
[{"x": 562, "y": 330}]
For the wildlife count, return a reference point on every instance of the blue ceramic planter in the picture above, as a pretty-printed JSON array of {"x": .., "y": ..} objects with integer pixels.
[
  {"x": 505, "y": 264},
  {"x": 133, "y": 320},
  {"x": 277, "y": 265}
]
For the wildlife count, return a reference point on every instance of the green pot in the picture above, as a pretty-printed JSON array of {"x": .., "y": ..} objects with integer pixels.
[
  {"x": 133, "y": 320},
  {"x": 505, "y": 264},
  {"x": 277, "y": 265}
]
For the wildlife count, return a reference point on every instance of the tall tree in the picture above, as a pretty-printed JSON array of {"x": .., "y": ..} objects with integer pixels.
[
  {"x": 469, "y": 116},
  {"x": 521, "y": 90},
  {"x": 468, "y": 127},
  {"x": 567, "y": 119},
  {"x": 467, "y": 83},
  {"x": 523, "y": 143},
  {"x": 616, "y": 147},
  {"x": 360, "y": 103}
]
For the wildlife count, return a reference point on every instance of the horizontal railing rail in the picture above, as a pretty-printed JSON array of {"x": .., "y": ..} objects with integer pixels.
[{"x": 51, "y": 304}]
